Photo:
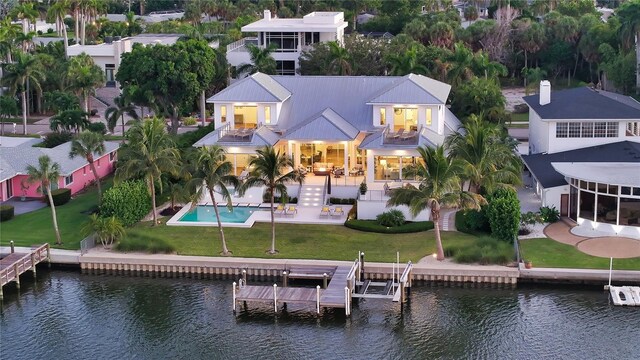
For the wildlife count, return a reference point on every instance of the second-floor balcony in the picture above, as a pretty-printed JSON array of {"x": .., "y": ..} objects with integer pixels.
[
  {"x": 240, "y": 135},
  {"x": 401, "y": 136},
  {"x": 241, "y": 45}
]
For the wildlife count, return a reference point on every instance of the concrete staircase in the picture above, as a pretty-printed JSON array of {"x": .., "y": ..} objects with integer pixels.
[
  {"x": 448, "y": 220},
  {"x": 311, "y": 195}
]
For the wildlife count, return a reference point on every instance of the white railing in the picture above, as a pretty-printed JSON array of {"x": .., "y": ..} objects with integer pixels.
[
  {"x": 224, "y": 130},
  {"x": 242, "y": 43},
  {"x": 87, "y": 243},
  {"x": 374, "y": 195}
]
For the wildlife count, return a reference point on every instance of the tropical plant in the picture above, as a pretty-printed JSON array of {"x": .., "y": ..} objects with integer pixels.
[
  {"x": 213, "y": 175},
  {"x": 85, "y": 76},
  {"x": 150, "y": 154},
  {"x": 261, "y": 60},
  {"x": 629, "y": 14},
  {"x": 46, "y": 173},
  {"x": 439, "y": 187},
  {"x": 69, "y": 120},
  {"x": 25, "y": 69},
  {"x": 129, "y": 201},
  {"x": 106, "y": 229},
  {"x": 549, "y": 214},
  {"x": 8, "y": 35},
  {"x": 406, "y": 63},
  {"x": 339, "y": 59},
  {"x": 486, "y": 154},
  {"x": 272, "y": 170},
  {"x": 114, "y": 113},
  {"x": 391, "y": 218},
  {"x": 58, "y": 11},
  {"x": 86, "y": 145},
  {"x": 8, "y": 108}
]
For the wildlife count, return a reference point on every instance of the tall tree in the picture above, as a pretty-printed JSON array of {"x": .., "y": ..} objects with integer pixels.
[
  {"x": 487, "y": 155},
  {"x": 8, "y": 108},
  {"x": 58, "y": 11},
  {"x": 339, "y": 59},
  {"x": 629, "y": 14},
  {"x": 149, "y": 154},
  {"x": 8, "y": 34},
  {"x": 273, "y": 171},
  {"x": 86, "y": 145},
  {"x": 213, "y": 175},
  {"x": 46, "y": 173},
  {"x": 406, "y": 63},
  {"x": 261, "y": 61},
  {"x": 27, "y": 13},
  {"x": 24, "y": 70},
  {"x": 439, "y": 187},
  {"x": 85, "y": 76},
  {"x": 122, "y": 106}
]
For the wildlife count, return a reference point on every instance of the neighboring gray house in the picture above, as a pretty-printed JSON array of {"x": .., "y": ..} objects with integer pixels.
[{"x": 355, "y": 125}]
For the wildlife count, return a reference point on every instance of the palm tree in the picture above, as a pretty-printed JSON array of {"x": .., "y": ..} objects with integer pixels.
[
  {"x": 261, "y": 60},
  {"x": 406, "y": 63},
  {"x": 439, "y": 187},
  {"x": 85, "y": 76},
  {"x": 16, "y": 75},
  {"x": 339, "y": 59},
  {"x": 487, "y": 156},
  {"x": 213, "y": 171},
  {"x": 150, "y": 153},
  {"x": 8, "y": 34},
  {"x": 87, "y": 144},
  {"x": 271, "y": 170},
  {"x": 629, "y": 15},
  {"x": 461, "y": 65},
  {"x": 107, "y": 229},
  {"x": 25, "y": 12},
  {"x": 69, "y": 120},
  {"x": 482, "y": 66},
  {"x": 46, "y": 173},
  {"x": 114, "y": 113},
  {"x": 58, "y": 11}
]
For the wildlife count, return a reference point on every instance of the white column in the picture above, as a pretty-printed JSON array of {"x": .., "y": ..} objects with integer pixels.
[
  {"x": 370, "y": 167},
  {"x": 347, "y": 147},
  {"x": 289, "y": 149},
  {"x": 296, "y": 158}
]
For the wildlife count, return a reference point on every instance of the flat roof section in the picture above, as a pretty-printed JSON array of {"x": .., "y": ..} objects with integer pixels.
[{"x": 623, "y": 174}]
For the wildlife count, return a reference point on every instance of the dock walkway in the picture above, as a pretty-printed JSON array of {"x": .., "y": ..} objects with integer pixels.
[
  {"x": 333, "y": 295},
  {"x": 17, "y": 263}
]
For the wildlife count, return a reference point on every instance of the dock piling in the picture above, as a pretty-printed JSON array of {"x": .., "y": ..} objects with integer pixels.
[
  {"x": 275, "y": 297},
  {"x": 234, "y": 297},
  {"x": 284, "y": 279},
  {"x": 244, "y": 276},
  {"x": 324, "y": 280},
  {"x": 317, "y": 299},
  {"x": 15, "y": 269},
  {"x": 33, "y": 264},
  {"x": 13, "y": 248}
]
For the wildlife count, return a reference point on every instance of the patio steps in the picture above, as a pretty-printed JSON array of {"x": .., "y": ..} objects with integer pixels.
[{"x": 311, "y": 196}]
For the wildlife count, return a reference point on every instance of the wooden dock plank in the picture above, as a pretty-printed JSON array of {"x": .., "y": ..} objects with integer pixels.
[
  {"x": 313, "y": 272},
  {"x": 333, "y": 296}
]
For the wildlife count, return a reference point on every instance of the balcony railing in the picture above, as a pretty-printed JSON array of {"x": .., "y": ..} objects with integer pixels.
[
  {"x": 400, "y": 137},
  {"x": 227, "y": 134},
  {"x": 240, "y": 45}
]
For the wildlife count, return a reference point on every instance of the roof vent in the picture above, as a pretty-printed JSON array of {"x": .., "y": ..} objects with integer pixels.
[{"x": 545, "y": 92}]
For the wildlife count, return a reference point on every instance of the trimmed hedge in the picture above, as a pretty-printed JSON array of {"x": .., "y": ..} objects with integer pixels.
[
  {"x": 373, "y": 226},
  {"x": 60, "y": 196},
  {"x": 473, "y": 221},
  {"x": 128, "y": 201},
  {"x": 340, "y": 201},
  {"x": 6, "y": 212},
  {"x": 503, "y": 212}
]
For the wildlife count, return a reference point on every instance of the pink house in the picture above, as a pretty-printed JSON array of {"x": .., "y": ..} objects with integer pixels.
[{"x": 18, "y": 153}]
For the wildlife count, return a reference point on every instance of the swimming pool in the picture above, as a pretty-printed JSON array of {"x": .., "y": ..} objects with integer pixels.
[{"x": 206, "y": 213}]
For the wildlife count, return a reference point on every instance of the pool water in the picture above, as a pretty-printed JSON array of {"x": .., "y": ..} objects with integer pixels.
[{"x": 206, "y": 213}]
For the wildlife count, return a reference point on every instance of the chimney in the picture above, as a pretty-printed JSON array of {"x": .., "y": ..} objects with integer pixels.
[
  {"x": 267, "y": 15},
  {"x": 545, "y": 92}
]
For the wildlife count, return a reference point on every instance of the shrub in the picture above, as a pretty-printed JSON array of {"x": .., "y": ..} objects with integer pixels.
[
  {"x": 97, "y": 127},
  {"x": 373, "y": 226},
  {"x": 527, "y": 219},
  {"x": 128, "y": 201},
  {"x": 93, "y": 112},
  {"x": 144, "y": 243},
  {"x": 49, "y": 31},
  {"x": 353, "y": 213},
  {"x": 60, "y": 196},
  {"x": 549, "y": 214},
  {"x": 473, "y": 221},
  {"x": 39, "y": 32},
  {"x": 54, "y": 139},
  {"x": 6, "y": 212},
  {"x": 520, "y": 108},
  {"x": 189, "y": 121},
  {"x": 391, "y": 218},
  {"x": 187, "y": 139},
  {"x": 485, "y": 250},
  {"x": 339, "y": 201},
  {"x": 503, "y": 212}
]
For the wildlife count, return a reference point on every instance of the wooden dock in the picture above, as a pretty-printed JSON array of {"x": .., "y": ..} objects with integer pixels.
[{"x": 15, "y": 264}]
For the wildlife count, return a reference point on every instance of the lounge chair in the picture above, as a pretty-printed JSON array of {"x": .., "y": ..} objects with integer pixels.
[
  {"x": 397, "y": 134},
  {"x": 238, "y": 132},
  {"x": 246, "y": 133},
  {"x": 291, "y": 210},
  {"x": 408, "y": 135},
  {"x": 325, "y": 211},
  {"x": 338, "y": 212},
  {"x": 279, "y": 210}
]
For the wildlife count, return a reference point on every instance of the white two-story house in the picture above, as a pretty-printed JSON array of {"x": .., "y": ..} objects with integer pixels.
[
  {"x": 584, "y": 156},
  {"x": 291, "y": 37},
  {"x": 363, "y": 128}
]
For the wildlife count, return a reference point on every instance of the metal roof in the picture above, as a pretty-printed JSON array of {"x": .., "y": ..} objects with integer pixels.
[
  {"x": 585, "y": 103},
  {"x": 413, "y": 89},
  {"x": 625, "y": 174},
  {"x": 324, "y": 126},
  {"x": 542, "y": 169},
  {"x": 15, "y": 160},
  {"x": 255, "y": 88}
]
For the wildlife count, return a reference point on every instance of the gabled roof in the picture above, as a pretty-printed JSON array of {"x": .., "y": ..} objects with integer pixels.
[
  {"x": 413, "y": 89},
  {"x": 258, "y": 87},
  {"x": 14, "y": 160},
  {"x": 324, "y": 126},
  {"x": 585, "y": 103},
  {"x": 542, "y": 169}
]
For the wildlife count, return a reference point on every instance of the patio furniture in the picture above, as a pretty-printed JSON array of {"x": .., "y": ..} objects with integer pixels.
[
  {"x": 408, "y": 135},
  {"x": 291, "y": 210},
  {"x": 237, "y": 132},
  {"x": 338, "y": 212},
  {"x": 325, "y": 211},
  {"x": 321, "y": 168},
  {"x": 396, "y": 134},
  {"x": 243, "y": 175},
  {"x": 356, "y": 170},
  {"x": 337, "y": 172},
  {"x": 279, "y": 210}
]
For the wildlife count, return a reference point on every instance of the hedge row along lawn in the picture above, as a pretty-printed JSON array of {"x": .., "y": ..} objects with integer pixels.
[{"x": 373, "y": 226}]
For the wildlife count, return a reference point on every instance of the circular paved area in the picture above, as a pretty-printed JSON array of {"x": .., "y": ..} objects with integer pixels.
[{"x": 616, "y": 247}]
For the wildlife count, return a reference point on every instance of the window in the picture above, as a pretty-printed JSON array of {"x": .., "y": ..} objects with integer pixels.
[
  {"x": 612, "y": 129},
  {"x": 68, "y": 180},
  {"x": 574, "y": 130},
  {"x": 245, "y": 116},
  {"x": 9, "y": 189},
  {"x": 98, "y": 163},
  {"x": 109, "y": 71},
  {"x": 587, "y": 130},
  {"x": 112, "y": 156},
  {"x": 223, "y": 113},
  {"x": 285, "y": 41},
  {"x": 600, "y": 129},
  {"x": 428, "y": 117},
  {"x": 311, "y": 38},
  {"x": 561, "y": 130},
  {"x": 285, "y": 67},
  {"x": 267, "y": 114},
  {"x": 383, "y": 116}
]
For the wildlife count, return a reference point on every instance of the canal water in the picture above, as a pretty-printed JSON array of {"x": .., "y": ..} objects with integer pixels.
[{"x": 68, "y": 315}]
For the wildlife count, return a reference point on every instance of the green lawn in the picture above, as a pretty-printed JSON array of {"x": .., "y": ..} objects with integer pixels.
[
  {"x": 520, "y": 117},
  {"x": 18, "y": 121},
  {"x": 37, "y": 227},
  {"x": 550, "y": 253},
  {"x": 335, "y": 242}
]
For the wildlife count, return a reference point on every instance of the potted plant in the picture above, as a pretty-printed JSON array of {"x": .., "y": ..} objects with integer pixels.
[
  {"x": 363, "y": 188},
  {"x": 528, "y": 264}
]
